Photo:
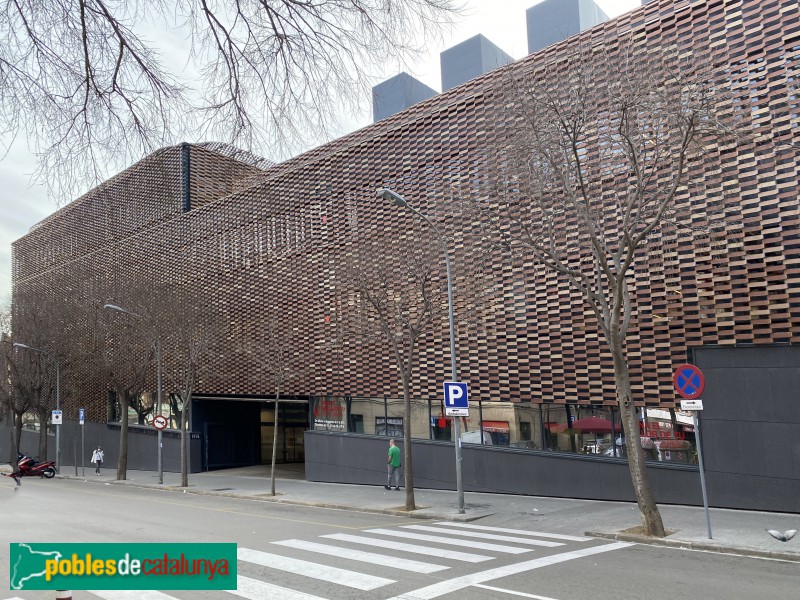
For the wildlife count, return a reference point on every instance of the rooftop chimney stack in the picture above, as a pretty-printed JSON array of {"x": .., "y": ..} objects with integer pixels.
[
  {"x": 552, "y": 21},
  {"x": 397, "y": 94},
  {"x": 470, "y": 59}
]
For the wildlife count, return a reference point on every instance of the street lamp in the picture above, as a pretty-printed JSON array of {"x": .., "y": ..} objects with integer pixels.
[
  {"x": 58, "y": 393},
  {"x": 160, "y": 435},
  {"x": 398, "y": 200}
]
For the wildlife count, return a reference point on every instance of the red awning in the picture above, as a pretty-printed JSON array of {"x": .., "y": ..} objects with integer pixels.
[{"x": 496, "y": 426}]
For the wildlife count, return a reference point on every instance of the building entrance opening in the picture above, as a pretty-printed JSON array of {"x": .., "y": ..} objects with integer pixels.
[{"x": 291, "y": 423}]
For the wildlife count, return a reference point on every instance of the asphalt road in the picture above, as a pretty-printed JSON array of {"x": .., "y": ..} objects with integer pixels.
[{"x": 299, "y": 553}]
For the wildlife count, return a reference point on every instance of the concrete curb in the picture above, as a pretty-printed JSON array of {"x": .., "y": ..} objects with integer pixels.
[
  {"x": 420, "y": 513},
  {"x": 428, "y": 514},
  {"x": 704, "y": 546}
]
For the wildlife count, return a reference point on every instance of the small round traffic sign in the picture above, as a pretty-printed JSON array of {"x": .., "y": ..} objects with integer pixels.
[
  {"x": 689, "y": 381},
  {"x": 160, "y": 422}
]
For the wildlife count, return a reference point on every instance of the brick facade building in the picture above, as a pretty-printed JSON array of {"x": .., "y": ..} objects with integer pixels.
[{"x": 243, "y": 235}]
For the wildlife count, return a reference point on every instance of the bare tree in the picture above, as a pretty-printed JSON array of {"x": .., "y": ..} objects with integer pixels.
[
  {"x": 594, "y": 161},
  {"x": 282, "y": 359},
  {"x": 189, "y": 335},
  {"x": 400, "y": 295},
  {"x": 83, "y": 82},
  {"x": 18, "y": 404},
  {"x": 33, "y": 363},
  {"x": 5, "y": 367},
  {"x": 12, "y": 405},
  {"x": 123, "y": 354}
]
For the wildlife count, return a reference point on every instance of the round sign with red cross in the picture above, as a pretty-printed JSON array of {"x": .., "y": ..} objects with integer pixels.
[
  {"x": 689, "y": 381},
  {"x": 160, "y": 422}
]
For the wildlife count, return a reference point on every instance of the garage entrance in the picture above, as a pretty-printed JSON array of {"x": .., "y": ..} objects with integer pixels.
[{"x": 238, "y": 432}]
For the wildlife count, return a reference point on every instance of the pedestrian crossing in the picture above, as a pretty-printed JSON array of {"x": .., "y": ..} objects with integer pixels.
[
  {"x": 455, "y": 542},
  {"x": 353, "y": 579},
  {"x": 394, "y": 562},
  {"x": 404, "y": 547},
  {"x": 414, "y": 548}
]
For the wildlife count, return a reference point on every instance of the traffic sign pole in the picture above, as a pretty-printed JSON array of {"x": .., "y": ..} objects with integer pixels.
[
  {"x": 456, "y": 404},
  {"x": 690, "y": 382},
  {"x": 81, "y": 422},
  {"x": 696, "y": 422}
]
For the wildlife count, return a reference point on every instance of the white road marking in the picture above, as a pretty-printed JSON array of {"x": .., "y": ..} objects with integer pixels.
[
  {"x": 253, "y": 589},
  {"x": 554, "y": 536},
  {"x": 459, "y": 583},
  {"x": 394, "y": 562},
  {"x": 511, "y": 592},
  {"x": 484, "y": 536},
  {"x": 461, "y": 543},
  {"x": 416, "y": 549},
  {"x": 131, "y": 595},
  {"x": 359, "y": 581}
]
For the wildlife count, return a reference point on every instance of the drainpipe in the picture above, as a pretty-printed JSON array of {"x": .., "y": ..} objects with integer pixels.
[{"x": 186, "y": 195}]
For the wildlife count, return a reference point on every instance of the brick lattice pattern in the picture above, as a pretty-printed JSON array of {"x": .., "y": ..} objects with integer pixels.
[{"x": 258, "y": 236}]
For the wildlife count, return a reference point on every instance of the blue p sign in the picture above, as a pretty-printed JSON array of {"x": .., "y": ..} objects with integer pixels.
[{"x": 455, "y": 395}]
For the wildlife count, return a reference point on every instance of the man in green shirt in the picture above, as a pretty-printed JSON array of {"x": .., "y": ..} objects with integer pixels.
[{"x": 393, "y": 462}]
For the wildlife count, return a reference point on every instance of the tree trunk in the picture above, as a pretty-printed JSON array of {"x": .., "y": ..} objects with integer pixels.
[
  {"x": 651, "y": 517},
  {"x": 42, "y": 455},
  {"x": 122, "y": 461},
  {"x": 12, "y": 446},
  {"x": 17, "y": 439},
  {"x": 184, "y": 445},
  {"x": 408, "y": 471},
  {"x": 274, "y": 443}
]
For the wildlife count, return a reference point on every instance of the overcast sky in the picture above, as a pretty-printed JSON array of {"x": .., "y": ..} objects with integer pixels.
[{"x": 501, "y": 21}]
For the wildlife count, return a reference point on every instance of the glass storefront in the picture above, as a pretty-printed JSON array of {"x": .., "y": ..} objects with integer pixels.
[
  {"x": 291, "y": 425},
  {"x": 667, "y": 436}
]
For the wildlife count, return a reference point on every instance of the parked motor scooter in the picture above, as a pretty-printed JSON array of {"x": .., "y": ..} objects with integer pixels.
[{"x": 30, "y": 467}]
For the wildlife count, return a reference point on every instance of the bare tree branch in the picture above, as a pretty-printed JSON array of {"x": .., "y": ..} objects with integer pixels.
[
  {"x": 84, "y": 83},
  {"x": 590, "y": 169}
]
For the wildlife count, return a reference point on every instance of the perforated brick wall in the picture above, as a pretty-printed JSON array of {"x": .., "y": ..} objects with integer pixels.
[{"x": 256, "y": 238}]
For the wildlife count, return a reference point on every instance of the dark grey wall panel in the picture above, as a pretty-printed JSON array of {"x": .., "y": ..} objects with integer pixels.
[
  {"x": 142, "y": 447},
  {"x": 336, "y": 457},
  {"x": 750, "y": 426}
]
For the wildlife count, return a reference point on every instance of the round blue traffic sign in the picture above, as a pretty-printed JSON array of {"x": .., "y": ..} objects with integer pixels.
[{"x": 689, "y": 381}]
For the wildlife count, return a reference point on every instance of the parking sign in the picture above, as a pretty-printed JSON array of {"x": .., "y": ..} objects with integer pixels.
[{"x": 456, "y": 399}]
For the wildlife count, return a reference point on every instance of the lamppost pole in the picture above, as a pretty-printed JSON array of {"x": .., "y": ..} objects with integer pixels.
[
  {"x": 159, "y": 435},
  {"x": 58, "y": 393},
  {"x": 398, "y": 200}
]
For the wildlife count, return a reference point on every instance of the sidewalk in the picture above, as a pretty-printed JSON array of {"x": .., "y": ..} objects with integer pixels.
[{"x": 734, "y": 531}]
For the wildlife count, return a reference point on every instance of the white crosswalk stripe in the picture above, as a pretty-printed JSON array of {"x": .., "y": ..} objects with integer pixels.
[
  {"x": 552, "y": 536},
  {"x": 450, "y": 542},
  {"x": 253, "y": 589},
  {"x": 438, "y": 534},
  {"x": 395, "y": 562},
  {"x": 485, "y": 536},
  {"x": 359, "y": 581},
  {"x": 403, "y": 547}
]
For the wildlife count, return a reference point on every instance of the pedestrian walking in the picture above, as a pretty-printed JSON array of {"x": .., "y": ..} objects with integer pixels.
[
  {"x": 393, "y": 462},
  {"x": 97, "y": 459}
]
